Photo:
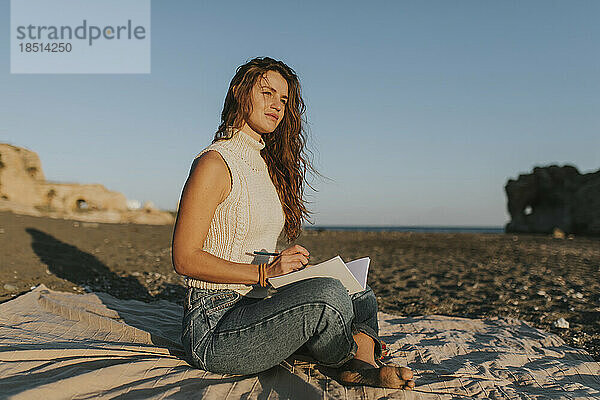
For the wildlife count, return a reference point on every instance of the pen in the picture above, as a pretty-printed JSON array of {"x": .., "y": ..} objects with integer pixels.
[{"x": 264, "y": 253}]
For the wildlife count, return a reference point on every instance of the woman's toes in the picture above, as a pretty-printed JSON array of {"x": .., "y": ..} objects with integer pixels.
[
  {"x": 386, "y": 376},
  {"x": 403, "y": 379},
  {"x": 405, "y": 373},
  {"x": 392, "y": 377}
]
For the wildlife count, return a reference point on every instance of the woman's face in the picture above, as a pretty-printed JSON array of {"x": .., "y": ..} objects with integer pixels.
[{"x": 269, "y": 97}]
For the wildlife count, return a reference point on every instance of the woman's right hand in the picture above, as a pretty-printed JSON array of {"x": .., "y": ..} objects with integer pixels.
[{"x": 289, "y": 260}]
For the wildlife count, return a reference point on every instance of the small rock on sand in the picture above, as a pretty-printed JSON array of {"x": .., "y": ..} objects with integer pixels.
[
  {"x": 10, "y": 287},
  {"x": 561, "y": 323},
  {"x": 557, "y": 233}
]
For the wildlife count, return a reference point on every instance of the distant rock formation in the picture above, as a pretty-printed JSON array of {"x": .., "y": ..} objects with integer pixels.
[
  {"x": 24, "y": 190},
  {"x": 554, "y": 197}
]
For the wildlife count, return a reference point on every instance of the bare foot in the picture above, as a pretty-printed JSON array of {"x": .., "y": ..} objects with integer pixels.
[
  {"x": 356, "y": 364},
  {"x": 386, "y": 376}
]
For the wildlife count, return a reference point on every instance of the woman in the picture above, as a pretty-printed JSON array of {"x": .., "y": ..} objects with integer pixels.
[{"x": 241, "y": 192}]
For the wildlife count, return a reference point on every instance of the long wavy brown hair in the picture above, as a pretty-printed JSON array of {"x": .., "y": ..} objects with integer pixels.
[{"x": 285, "y": 151}]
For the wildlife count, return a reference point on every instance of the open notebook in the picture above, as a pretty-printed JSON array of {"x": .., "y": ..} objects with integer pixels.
[{"x": 353, "y": 274}]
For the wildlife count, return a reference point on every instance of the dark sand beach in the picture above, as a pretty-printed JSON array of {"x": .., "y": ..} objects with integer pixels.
[{"x": 534, "y": 278}]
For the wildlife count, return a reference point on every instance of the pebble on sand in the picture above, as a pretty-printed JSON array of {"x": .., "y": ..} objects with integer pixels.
[
  {"x": 557, "y": 233},
  {"x": 561, "y": 323}
]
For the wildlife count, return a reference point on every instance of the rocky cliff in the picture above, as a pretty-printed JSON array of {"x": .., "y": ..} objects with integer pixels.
[
  {"x": 24, "y": 190},
  {"x": 554, "y": 197}
]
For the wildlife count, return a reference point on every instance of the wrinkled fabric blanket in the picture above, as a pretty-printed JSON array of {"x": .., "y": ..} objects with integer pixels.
[{"x": 56, "y": 345}]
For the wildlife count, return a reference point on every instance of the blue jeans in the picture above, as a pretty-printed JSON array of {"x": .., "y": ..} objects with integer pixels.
[{"x": 225, "y": 332}]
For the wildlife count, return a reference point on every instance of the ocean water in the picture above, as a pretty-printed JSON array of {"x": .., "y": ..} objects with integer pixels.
[{"x": 424, "y": 229}]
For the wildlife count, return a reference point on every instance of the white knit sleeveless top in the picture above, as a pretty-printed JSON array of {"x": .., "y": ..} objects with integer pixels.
[{"x": 250, "y": 218}]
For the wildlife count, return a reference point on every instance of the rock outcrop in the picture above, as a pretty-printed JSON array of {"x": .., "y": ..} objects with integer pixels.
[
  {"x": 24, "y": 190},
  {"x": 554, "y": 197}
]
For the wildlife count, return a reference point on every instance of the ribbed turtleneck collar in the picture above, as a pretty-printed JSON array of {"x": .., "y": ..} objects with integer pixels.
[
  {"x": 247, "y": 148},
  {"x": 250, "y": 141}
]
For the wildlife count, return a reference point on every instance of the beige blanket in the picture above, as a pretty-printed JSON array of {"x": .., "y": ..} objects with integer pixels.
[{"x": 58, "y": 345}]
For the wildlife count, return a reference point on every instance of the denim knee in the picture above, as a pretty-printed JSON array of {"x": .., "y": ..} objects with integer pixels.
[
  {"x": 332, "y": 292},
  {"x": 366, "y": 299}
]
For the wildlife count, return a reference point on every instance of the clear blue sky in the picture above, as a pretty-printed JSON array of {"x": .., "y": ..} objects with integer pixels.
[{"x": 419, "y": 110}]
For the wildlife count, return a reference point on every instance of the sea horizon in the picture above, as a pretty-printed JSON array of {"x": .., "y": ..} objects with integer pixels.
[{"x": 408, "y": 228}]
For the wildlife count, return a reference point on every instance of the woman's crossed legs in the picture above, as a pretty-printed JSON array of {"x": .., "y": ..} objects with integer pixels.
[{"x": 317, "y": 314}]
